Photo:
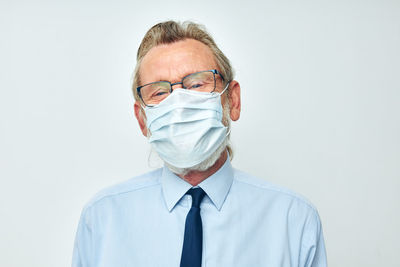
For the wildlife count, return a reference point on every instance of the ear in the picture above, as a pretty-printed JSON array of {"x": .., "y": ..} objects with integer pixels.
[
  {"x": 234, "y": 100},
  {"x": 140, "y": 116}
]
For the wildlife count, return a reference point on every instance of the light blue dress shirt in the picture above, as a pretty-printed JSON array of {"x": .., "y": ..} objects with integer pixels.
[{"x": 247, "y": 222}]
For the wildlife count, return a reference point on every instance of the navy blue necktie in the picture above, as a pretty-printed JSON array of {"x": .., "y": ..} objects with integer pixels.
[{"x": 193, "y": 239}]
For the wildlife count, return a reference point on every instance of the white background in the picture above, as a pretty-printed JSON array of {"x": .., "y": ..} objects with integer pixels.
[{"x": 320, "y": 113}]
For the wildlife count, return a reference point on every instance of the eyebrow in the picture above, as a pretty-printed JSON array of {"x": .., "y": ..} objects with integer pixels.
[{"x": 183, "y": 76}]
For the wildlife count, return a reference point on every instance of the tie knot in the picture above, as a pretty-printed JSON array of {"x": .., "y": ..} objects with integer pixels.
[{"x": 197, "y": 196}]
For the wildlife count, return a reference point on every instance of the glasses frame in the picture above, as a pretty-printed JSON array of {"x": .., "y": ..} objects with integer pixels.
[{"x": 214, "y": 72}]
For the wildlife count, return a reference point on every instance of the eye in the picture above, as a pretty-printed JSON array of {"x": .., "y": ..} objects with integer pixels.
[
  {"x": 159, "y": 93},
  {"x": 197, "y": 85}
]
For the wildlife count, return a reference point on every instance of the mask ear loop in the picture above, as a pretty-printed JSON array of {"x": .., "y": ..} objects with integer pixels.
[
  {"x": 226, "y": 87},
  {"x": 228, "y": 132},
  {"x": 222, "y": 92}
]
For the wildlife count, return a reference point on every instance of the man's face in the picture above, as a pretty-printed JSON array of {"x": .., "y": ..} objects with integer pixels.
[{"x": 172, "y": 62}]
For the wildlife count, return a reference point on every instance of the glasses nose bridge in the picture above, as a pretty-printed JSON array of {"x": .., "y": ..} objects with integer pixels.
[{"x": 173, "y": 84}]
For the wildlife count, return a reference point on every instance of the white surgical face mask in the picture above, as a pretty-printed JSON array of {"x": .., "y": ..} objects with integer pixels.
[{"x": 186, "y": 127}]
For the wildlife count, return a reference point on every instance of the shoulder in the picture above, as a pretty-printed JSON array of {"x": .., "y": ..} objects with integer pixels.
[
  {"x": 295, "y": 210},
  {"x": 262, "y": 188},
  {"x": 133, "y": 185}
]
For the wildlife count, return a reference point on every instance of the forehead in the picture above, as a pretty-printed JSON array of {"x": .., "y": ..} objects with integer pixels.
[{"x": 171, "y": 62}]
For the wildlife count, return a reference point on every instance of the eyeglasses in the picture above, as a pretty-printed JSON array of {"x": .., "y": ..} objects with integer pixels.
[{"x": 202, "y": 81}]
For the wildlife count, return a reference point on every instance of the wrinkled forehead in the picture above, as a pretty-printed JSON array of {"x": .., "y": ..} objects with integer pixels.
[{"x": 171, "y": 62}]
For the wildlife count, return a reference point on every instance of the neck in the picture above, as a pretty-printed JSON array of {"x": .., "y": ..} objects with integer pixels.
[{"x": 196, "y": 177}]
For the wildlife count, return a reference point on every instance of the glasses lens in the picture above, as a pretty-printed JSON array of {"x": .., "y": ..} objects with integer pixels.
[
  {"x": 200, "y": 81},
  {"x": 154, "y": 93}
]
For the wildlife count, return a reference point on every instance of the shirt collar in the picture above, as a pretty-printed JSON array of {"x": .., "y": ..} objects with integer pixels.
[{"x": 216, "y": 186}]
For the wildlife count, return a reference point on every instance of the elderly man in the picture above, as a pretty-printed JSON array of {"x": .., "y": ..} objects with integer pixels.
[{"x": 196, "y": 210}]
